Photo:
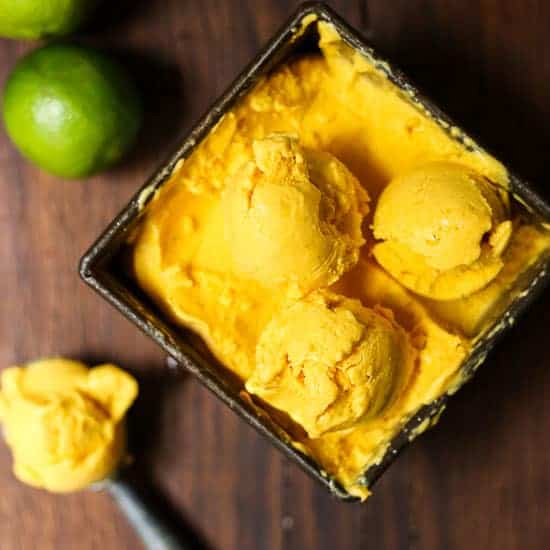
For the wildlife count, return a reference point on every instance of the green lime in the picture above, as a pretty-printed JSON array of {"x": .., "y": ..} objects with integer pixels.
[
  {"x": 42, "y": 18},
  {"x": 71, "y": 110}
]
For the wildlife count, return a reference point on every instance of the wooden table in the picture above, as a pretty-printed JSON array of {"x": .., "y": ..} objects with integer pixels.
[{"x": 480, "y": 480}]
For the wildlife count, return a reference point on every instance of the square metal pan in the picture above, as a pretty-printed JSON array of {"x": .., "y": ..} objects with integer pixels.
[{"x": 100, "y": 266}]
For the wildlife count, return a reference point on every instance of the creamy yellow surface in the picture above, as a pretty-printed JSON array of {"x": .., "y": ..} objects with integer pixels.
[
  {"x": 293, "y": 216},
  {"x": 330, "y": 362},
  {"x": 448, "y": 241},
  {"x": 237, "y": 267},
  {"x": 64, "y": 422}
]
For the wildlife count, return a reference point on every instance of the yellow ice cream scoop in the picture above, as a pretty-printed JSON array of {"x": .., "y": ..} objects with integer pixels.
[
  {"x": 329, "y": 362},
  {"x": 64, "y": 422},
  {"x": 293, "y": 216},
  {"x": 443, "y": 229}
]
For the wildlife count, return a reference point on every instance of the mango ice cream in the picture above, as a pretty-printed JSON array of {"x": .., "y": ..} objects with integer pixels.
[
  {"x": 449, "y": 240},
  {"x": 340, "y": 321},
  {"x": 64, "y": 422},
  {"x": 293, "y": 216},
  {"x": 346, "y": 365}
]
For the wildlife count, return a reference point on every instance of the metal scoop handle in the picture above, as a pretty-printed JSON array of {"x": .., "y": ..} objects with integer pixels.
[{"x": 153, "y": 527}]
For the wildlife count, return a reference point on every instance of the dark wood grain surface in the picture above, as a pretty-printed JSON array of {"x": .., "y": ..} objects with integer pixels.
[{"x": 481, "y": 479}]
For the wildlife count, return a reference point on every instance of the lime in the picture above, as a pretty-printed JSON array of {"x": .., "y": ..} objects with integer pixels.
[
  {"x": 71, "y": 110},
  {"x": 42, "y": 18}
]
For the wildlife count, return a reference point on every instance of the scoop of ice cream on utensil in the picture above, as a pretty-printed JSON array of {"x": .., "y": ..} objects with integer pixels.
[{"x": 65, "y": 425}]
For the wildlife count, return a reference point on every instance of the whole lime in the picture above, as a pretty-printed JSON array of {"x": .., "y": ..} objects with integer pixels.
[
  {"x": 71, "y": 110},
  {"x": 42, "y": 18}
]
